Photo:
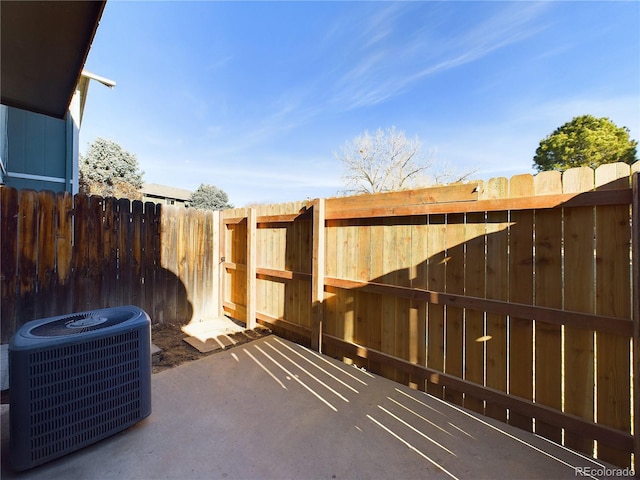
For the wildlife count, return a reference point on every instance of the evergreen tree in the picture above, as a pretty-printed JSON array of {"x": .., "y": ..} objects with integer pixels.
[
  {"x": 585, "y": 141},
  {"x": 210, "y": 197},
  {"x": 110, "y": 171}
]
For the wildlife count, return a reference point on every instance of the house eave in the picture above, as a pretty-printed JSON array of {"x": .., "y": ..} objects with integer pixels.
[{"x": 44, "y": 46}]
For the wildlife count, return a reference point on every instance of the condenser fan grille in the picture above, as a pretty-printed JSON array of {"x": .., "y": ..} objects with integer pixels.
[
  {"x": 81, "y": 323},
  {"x": 83, "y": 391}
]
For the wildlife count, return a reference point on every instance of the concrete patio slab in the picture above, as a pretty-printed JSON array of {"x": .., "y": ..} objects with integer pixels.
[{"x": 271, "y": 409}]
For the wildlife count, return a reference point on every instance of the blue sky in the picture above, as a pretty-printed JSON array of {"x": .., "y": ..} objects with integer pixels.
[{"x": 255, "y": 97}]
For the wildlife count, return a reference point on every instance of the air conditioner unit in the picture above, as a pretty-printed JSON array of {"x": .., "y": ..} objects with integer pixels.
[{"x": 77, "y": 379}]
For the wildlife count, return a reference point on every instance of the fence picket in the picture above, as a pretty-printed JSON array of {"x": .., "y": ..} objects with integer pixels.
[
  {"x": 474, "y": 322},
  {"x": 9, "y": 214},
  {"x": 137, "y": 252},
  {"x": 168, "y": 264},
  {"x": 403, "y": 269},
  {"x": 46, "y": 277},
  {"x": 27, "y": 255},
  {"x": 521, "y": 291},
  {"x": 330, "y": 301},
  {"x": 80, "y": 257},
  {"x": 374, "y": 308},
  {"x": 110, "y": 244},
  {"x": 94, "y": 252},
  {"x": 436, "y": 260},
  {"x": 455, "y": 237},
  {"x": 418, "y": 313},
  {"x": 208, "y": 250},
  {"x": 548, "y": 293},
  {"x": 125, "y": 248},
  {"x": 579, "y": 294},
  {"x": 497, "y": 288},
  {"x": 613, "y": 237},
  {"x": 306, "y": 258},
  {"x": 291, "y": 251},
  {"x": 64, "y": 252},
  {"x": 389, "y": 265},
  {"x": 150, "y": 262}
]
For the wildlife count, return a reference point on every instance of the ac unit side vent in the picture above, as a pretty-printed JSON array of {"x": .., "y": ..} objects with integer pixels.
[{"x": 79, "y": 391}]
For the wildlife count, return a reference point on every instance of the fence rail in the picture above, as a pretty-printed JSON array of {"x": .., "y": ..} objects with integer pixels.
[{"x": 512, "y": 297}]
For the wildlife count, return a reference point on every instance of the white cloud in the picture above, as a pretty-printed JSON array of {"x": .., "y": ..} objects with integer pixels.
[{"x": 384, "y": 71}]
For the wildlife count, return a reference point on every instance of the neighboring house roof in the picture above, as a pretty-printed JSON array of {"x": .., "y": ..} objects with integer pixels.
[
  {"x": 43, "y": 47},
  {"x": 165, "y": 191}
]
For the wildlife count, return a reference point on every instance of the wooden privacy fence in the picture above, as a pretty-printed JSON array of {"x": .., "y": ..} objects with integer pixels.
[
  {"x": 62, "y": 254},
  {"x": 513, "y": 298}
]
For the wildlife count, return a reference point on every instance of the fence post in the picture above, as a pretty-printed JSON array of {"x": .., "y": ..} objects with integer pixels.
[
  {"x": 221, "y": 254},
  {"x": 215, "y": 268},
  {"x": 635, "y": 265},
  {"x": 251, "y": 268},
  {"x": 317, "y": 279}
]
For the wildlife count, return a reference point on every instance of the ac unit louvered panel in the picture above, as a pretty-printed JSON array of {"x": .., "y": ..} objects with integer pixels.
[{"x": 68, "y": 391}]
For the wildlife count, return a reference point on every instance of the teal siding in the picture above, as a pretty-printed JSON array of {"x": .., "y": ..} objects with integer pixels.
[{"x": 36, "y": 144}]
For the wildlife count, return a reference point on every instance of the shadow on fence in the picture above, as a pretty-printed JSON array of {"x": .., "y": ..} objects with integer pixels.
[
  {"x": 63, "y": 254},
  {"x": 517, "y": 305}
]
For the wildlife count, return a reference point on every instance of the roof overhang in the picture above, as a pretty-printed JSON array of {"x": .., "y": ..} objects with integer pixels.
[{"x": 44, "y": 45}]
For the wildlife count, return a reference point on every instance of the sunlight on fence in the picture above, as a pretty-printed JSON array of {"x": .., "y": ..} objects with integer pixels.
[{"x": 513, "y": 298}]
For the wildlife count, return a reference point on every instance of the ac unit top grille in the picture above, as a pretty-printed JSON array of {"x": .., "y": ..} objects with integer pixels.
[{"x": 81, "y": 323}]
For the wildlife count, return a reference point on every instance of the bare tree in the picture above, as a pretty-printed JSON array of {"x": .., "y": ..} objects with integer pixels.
[{"x": 389, "y": 161}]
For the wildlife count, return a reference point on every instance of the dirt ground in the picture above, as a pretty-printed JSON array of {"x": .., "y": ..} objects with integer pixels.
[{"x": 175, "y": 351}]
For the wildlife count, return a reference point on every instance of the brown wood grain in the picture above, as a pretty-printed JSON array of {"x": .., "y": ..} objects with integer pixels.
[
  {"x": 613, "y": 292},
  {"x": 497, "y": 287},
  {"x": 374, "y": 304},
  {"x": 435, "y": 281},
  {"x": 523, "y": 202},
  {"x": 474, "y": 320},
  {"x": 454, "y": 315},
  {"x": 9, "y": 215},
  {"x": 521, "y": 291},
  {"x": 579, "y": 293},
  {"x": 46, "y": 255},
  {"x": 418, "y": 309},
  {"x": 94, "y": 254},
  {"x": 125, "y": 251},
  {"x": 80, "y": 258},
  {"x": 168, "y": 263},
  {"x": 548, "y": 293},
  {"x": 110, "y": 244},
  {"x": 64, "y": 251}
]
